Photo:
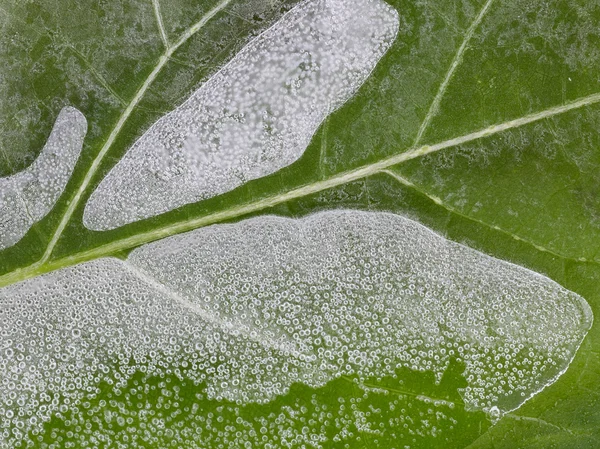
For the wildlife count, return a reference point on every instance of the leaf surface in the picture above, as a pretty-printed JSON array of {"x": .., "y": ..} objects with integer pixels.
[
  {"x": 26, "y": 197},
  {"x": 253, "y": 117},
  {"x": 251, "y": 308},
  {"x": 480, "y": 122}
]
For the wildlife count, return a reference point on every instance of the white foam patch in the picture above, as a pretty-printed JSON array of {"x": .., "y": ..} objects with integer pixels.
[
  {"x": 254, "y": 117},
  {"x": 28, "y": 196},
  {"x": 253, "y": 307}
]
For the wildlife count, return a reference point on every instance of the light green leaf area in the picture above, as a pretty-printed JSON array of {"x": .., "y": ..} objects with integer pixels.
[{"x": 481, "y": 122}]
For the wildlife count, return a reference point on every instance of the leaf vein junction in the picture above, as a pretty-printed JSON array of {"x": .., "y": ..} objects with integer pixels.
[
  {"x": 159, "y": 22},
  {"x": 450, "y": 209},
  {"x": 45, "y": 265},
  {"x": 76, "y": 199}
]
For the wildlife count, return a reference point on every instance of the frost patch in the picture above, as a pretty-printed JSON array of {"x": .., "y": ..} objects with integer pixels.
[
  {"x": 28, "y": 196},
  {"x": 250, "y": 308},
  {"x": 254, "y": 117}
]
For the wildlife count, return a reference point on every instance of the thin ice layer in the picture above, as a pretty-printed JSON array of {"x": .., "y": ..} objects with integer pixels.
[
  {"x": 64, "y": 333},
  {"x": 368, "y": 292},
  {"x": 249, "y": 309},
  {"x": 254, "y": 117},
  {"x": 28, "y": 196}
]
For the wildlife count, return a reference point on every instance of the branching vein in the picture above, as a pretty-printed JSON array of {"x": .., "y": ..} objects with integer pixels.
[
  {"x": 270, "y": 201},
  {"x": 450, "y": 209},
  {"x": 435, "y": 105},
  {"x": 539, "y": 421},
  {"x": 159, "y": 21},
  {"x": 229, "y": 327},
  {"x": 76, "y": 199},
  {"x": 97, "y": 74},
  {"x": 46, "y": 265}
]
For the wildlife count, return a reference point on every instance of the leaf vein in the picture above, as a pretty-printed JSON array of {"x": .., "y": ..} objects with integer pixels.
[
  {"x": 287, "y": 347},
  {"x": 435, "y": 105},
  {"x": 539, "y": 421},
  {"x": 450, "y": 209},
  {"x": 159, "y": 22},
  {"x": 44, "y": 265},
  {"x": 97, "y": 74},
  {"x": 76, "y": 199}
]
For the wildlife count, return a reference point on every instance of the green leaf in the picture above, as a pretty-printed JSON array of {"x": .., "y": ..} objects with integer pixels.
[
  {"x": 481, "y": 122},
  {"x": 28, "y": 196},
  {"x": 249, "y": 309}
]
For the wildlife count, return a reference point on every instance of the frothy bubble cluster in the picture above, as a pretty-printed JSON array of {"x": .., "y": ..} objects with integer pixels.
[
  {"x": 254, "y": 117},
  {"x": 28, "y": 196},
  {"x": 250, "y": 308}
]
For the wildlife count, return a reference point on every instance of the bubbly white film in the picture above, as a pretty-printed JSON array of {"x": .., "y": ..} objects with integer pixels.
[
  {"x": 255, "y": 306},
  {"x": 28, "y": 196},
  {"x": 253, "y": 117}
]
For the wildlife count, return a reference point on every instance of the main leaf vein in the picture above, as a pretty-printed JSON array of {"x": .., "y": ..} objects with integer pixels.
[{"x": 46, "y": 265}]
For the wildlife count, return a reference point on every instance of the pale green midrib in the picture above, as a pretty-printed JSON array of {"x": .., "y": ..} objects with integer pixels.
[
  {"x": 435, "y": 105},
  {"x": 76, "y": 199},
  {"x": 334, "y": 181}
]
